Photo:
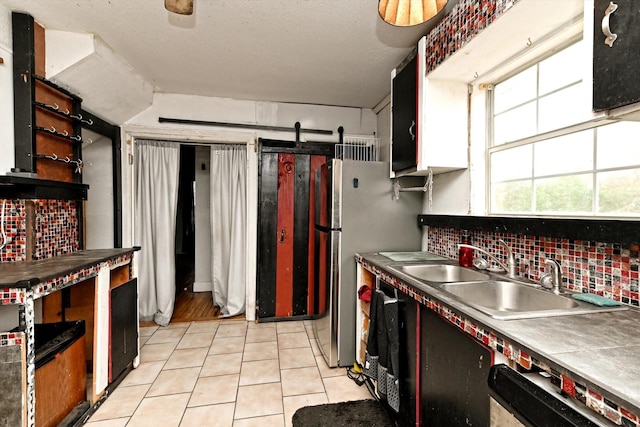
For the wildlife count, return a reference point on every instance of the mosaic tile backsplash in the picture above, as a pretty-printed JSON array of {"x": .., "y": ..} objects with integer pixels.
[
  {"x": 465, "y": 21},
  {"x": 56, "y": 229},
  {"x": 606, "y": 269},
  {"x": 13, "y": 230}
]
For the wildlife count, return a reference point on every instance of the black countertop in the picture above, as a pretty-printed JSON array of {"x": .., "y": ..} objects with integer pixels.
[{"x": 25, "y": 274}]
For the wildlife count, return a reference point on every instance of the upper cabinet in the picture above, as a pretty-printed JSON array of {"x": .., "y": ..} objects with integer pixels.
[
  {"x": 429, "y": 120},
  {"x": 616, "y": 36},
  {"x": 404, "y": 118}
]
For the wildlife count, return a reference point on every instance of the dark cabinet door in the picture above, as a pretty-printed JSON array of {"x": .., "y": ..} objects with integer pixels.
[
  {"x": 404, "y": 121},
  {"x": 124, "y": 327},
  {"x": 615, "y": 68},
  {"x": 408, "y": 323},
  {"x": 286, "y": 234},
  {"x": 454, "y": 372}
]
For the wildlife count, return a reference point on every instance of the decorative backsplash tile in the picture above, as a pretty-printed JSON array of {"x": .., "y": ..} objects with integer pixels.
[
  {"x": 56, "y": 229},
  {"x": 606, "y": 269},
  {"x": 13, "y": 221},
  {"x": 465, "y": 21}
]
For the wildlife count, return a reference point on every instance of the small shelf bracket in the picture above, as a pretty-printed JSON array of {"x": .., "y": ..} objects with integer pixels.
[{"x": 426, "y": 188}]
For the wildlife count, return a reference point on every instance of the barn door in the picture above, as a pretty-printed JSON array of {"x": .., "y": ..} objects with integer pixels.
[{"x": 285, "y": 230}]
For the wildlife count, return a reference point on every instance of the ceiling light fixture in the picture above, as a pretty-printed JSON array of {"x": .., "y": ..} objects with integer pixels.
[
  {"x": 404, "y": 13},
  {"x": 181, "y": 7}
]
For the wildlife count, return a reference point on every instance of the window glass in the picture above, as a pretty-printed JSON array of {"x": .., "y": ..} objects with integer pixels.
[
  {"x": 561, "y": 108},
  {"x": 567, "y": 194},
  {"x": 577, "y": 172},
  {"x": 511, "y": 197},
  {"x": 618, "y": 145},
  {"x": 619, "y": 192},
  {"x": 565, "y": 154},
  {"x": 515, "y": 91},
  {"x": 515, "y": 124},
  {"x": 561, "y": 69},
  {"x": 507, "y": 165}
]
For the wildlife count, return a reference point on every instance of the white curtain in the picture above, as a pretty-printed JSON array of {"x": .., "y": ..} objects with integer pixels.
[
  {"x": 156, "y": 202},
  {"x": 228, "y": 227}
]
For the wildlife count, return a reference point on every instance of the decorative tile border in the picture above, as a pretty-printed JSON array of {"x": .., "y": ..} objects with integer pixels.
[
  {"x": 9, "y": 296},
  {"x": 568, "y": 386},
  {"x": 11, "y": 338}
]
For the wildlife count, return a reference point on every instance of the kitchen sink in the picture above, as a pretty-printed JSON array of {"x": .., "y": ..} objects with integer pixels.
[
  {"x": 441, "y": 273},
  {"x": 504, "y": 300}
]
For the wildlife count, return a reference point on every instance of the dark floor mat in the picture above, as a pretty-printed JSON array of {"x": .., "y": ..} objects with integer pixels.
[{"x": 359, "y": 413}]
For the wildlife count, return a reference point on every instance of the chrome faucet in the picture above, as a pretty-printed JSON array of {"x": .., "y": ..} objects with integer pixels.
[
  {"x": 511, "y": 267},
  {"x": 555, "y": 277}
]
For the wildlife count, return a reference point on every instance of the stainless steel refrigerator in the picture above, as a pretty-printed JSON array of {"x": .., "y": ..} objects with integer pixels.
[{"x": 355, "y": 212}]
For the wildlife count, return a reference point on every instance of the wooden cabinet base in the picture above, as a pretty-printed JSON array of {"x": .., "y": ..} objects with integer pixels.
[{"x": 60, "y": 385}]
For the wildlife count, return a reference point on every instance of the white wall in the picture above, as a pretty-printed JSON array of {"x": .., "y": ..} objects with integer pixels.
[
  {"x": 98, "y": 173},
  {"x": 202, "y": 281}
]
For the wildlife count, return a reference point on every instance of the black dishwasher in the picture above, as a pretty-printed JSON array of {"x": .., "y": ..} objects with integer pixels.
[{"x": 517, "y": 401}]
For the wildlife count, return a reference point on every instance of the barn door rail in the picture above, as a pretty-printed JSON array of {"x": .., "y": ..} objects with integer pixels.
[{"x": 245, "y": 126}]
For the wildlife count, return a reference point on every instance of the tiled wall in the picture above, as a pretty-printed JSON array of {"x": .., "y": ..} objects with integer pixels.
[
  {"x": 14, "y": 229},
  {"x": 57, "y": 228},
  {"x": 607, "y": 269},
  {"x": 56, "y": 225},
  {"x": 465, "y": 21}
]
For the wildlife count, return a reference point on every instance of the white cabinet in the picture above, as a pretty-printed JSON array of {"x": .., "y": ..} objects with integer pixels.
[{"x": 442, "y": 122}]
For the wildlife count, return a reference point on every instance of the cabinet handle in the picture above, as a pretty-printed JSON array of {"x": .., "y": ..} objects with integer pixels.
[
  {"x": 282, "y": 236},
  {"x": 606, "y": 28},
  {"x": 411, "y": 130}
]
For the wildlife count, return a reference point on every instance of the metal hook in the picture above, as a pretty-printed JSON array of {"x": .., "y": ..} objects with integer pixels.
[
  {"x": 76, "y": 138},
  {"x": 65, "y": 133},
  {"x": 89, "y": 122},
  {"x": 79, "y": 116},
  {"x": 52, "y": 129},
  {"x": 66, "y": 160},
  {"x": 54, "y": 106}
]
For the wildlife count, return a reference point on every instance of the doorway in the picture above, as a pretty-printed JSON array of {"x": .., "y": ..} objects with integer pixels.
[
  {"x": 204, "y": 138},
  {"x": 190, "y": 305}
]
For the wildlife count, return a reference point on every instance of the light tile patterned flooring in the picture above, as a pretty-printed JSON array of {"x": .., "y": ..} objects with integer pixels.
[{"x": 225, "y": 373}]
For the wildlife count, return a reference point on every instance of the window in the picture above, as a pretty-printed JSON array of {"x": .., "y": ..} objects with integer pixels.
[{"x": 581, "y": 172}]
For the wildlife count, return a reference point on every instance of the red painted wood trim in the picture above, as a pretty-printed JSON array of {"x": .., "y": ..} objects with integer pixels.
[
  {"x": 315, "y": 163},
  {"x": 284, "y": 252}
]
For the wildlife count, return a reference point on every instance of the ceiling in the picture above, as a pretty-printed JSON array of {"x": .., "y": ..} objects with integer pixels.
[{"x": 328, "y": 52}]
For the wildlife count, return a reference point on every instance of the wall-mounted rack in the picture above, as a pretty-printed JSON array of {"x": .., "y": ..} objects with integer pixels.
[
  {"x": 55, "y": 109},
  {"x": 78, "y": 164},
  {"x": 64, "y": 135},
  {"x": 47, "y": 116}
]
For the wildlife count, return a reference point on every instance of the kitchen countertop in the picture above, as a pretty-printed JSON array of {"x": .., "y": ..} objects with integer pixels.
[
  {"x": 26, "y": 274},
  {"x": 600, "y": 350}
]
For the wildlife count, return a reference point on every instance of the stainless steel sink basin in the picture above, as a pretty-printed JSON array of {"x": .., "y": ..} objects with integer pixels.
[
  {"x": 442, "y": 273},
  {"x": 502, "y": 299}
]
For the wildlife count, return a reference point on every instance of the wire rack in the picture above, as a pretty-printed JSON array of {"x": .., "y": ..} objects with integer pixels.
[{"x": 358, "y": 147}]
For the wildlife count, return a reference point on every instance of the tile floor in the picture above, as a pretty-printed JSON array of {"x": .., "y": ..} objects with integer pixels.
[{"x": 225, "y": 373}]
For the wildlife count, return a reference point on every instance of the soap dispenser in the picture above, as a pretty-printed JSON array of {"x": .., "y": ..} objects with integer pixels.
[{"x": 465, "y": 255}]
